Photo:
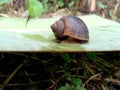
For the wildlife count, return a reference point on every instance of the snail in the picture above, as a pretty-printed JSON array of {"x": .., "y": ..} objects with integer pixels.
[{"x": 69, "y": 28}]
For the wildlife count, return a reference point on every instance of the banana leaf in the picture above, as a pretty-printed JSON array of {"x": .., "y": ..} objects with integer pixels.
[{"x": 37, "y": 36}]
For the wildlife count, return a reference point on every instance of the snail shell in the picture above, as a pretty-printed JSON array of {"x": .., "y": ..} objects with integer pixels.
[{"x": 70, "y": 27}]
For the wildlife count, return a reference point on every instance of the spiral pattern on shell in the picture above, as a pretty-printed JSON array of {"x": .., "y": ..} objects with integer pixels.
[{"x": 70, "y": 26}]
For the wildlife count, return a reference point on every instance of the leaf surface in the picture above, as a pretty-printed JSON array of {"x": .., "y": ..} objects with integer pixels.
[{"x": 38, "y": 37}]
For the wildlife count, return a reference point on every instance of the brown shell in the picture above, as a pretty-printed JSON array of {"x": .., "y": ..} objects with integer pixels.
[
  {"x": 73, "y": 27},
  {"x": 58, "y": 29}
]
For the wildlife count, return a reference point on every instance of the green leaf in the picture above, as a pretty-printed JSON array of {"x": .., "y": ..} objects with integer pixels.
[
  {"x": 71, "y": 4},
  {"x": 38, "y": 36},
  {"x": 62, "y": 88},
  {"x": 66, "y": 87},
  {"x": 76, "y": 81},
  {"x": 92, "y": 55},
  {"x": 79, "y": 88},
  {"x": 60, "y": 3},
  {"x": 100, "y": 5},
  {"x": 35, "y": 8},
  {"x": 66, "y": 57}
]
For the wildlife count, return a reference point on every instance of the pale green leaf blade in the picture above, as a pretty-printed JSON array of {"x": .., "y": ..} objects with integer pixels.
[{"x": 37, "y": 36}]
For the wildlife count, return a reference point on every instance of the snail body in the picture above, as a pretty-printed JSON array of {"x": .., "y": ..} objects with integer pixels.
[{"x": 70, "y": 27}]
